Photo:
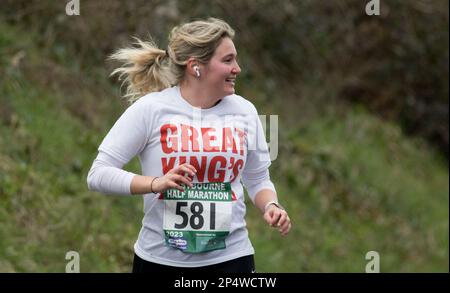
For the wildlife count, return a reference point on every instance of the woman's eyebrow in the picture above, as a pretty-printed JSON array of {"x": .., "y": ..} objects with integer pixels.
[{"x": 231, "y": 54}]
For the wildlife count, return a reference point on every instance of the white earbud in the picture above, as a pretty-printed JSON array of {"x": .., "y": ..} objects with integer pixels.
[{"x": 197, "y": 71}]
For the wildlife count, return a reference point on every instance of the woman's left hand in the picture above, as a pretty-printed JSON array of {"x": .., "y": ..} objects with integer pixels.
[{"x": 278, "y": 218}]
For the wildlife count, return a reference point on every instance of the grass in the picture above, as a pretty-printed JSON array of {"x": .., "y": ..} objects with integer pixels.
[{"x": 351, "y": 182}]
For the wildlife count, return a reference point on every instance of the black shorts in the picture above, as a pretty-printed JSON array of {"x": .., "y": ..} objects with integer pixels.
[{"x": 245, "y": 264}]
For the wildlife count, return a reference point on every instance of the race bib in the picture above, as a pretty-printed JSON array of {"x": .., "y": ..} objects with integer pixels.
[{"x": 198, "y": 218}]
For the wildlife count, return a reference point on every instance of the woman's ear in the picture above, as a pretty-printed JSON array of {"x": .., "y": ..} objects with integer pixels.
[{"x": 193, "y": 68}]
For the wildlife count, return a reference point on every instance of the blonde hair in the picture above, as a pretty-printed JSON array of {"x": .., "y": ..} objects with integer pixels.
[{"x": 146, "y": 68}]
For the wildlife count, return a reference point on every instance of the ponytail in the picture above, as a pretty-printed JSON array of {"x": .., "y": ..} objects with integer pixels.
[{"x": 145, "y": 69}]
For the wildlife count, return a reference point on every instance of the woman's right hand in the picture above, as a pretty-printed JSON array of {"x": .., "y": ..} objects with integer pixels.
[{"x": 174, "y": 178}]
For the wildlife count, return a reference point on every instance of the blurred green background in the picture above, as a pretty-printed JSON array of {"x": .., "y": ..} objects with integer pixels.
[{"x": 363, "y": 129}]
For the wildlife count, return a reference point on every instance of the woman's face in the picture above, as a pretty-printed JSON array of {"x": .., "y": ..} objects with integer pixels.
[{"x": 222, "y": 69}]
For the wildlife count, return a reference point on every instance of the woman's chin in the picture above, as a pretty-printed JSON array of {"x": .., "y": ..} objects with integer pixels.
[{"x": 230, "y": 91}]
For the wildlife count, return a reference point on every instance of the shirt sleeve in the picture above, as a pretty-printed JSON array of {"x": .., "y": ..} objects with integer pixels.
[
  {"x": 129, "y": 135},
  {"x": 106, "y": 176},
  {"x": 127, "y": 138},
  {"x": 255, "y": 175}
]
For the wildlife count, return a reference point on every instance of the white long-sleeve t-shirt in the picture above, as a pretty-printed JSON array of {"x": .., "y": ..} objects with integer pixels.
[{"x": 226, "y": 144}]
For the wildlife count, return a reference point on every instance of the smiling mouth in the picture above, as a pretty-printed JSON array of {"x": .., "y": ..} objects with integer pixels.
[{"x": 231, "y": 80}]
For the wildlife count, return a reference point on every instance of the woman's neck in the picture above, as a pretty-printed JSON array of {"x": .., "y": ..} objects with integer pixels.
[{"x": 197, "y": 96}]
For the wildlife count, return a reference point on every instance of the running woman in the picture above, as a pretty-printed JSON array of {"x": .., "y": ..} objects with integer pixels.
[{"x": 196, "y": 141}]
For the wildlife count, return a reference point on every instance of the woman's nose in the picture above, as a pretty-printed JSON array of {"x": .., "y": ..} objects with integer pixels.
[{"x": 236, "y": 69}]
